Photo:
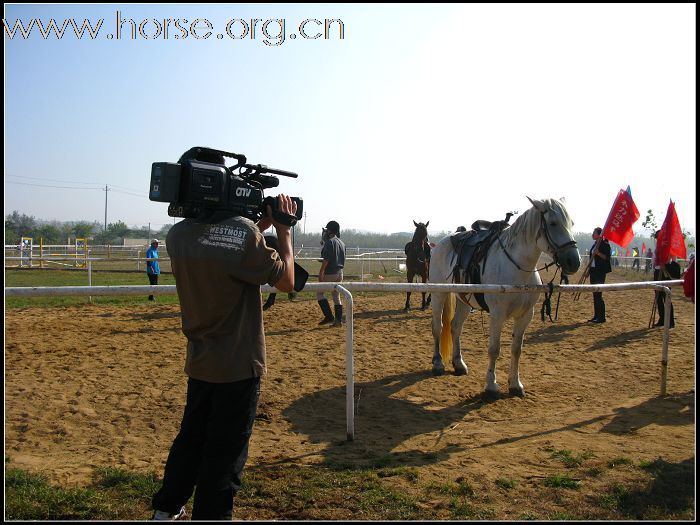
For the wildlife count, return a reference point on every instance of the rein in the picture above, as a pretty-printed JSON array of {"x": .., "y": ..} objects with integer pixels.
[{"x": 552, "y": 244}]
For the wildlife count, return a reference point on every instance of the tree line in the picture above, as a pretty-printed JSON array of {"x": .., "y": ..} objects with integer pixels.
[{"x": 18, "y": 225}]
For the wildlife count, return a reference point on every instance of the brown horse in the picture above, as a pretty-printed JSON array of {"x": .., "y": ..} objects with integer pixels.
[{"x": 418, "y": 260}]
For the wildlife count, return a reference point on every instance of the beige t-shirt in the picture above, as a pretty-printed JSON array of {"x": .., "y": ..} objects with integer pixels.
[{"x": 218, "y": 271}]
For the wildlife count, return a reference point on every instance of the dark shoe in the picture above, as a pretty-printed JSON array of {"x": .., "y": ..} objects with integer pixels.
[
  {"x": 598, "y": 321},
  {"x": 327, "y": 313},
  {"x": 594, "y": 320}
]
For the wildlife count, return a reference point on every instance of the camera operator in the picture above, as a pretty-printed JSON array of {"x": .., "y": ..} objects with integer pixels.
[{"x": 219, "y": 261}]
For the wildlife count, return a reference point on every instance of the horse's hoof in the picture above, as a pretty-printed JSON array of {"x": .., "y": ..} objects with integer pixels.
[
  {"x": 517, "y": 392},
  {"x": 491, "y": 395},
  {"x": 438, "y": 371}
]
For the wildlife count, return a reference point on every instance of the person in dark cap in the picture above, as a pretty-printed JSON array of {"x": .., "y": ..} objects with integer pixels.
[
  {"x": 152, "y": 267},
  {"x": 333, "y": 255}
]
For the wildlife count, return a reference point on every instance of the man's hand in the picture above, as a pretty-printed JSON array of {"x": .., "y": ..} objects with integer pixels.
[
  {"x": 284, "y": 238},
  {"x": 286, "y": 205}
]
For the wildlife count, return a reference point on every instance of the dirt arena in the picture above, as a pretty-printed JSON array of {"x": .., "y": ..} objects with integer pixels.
[{"x": 91, "y": 385}]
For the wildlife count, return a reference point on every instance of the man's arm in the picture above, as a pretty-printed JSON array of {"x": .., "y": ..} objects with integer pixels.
[{"x": 322, "y": 271}]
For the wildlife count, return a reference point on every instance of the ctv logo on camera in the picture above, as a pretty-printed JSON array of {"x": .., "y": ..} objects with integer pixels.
[{"x": 242, "y": 192}]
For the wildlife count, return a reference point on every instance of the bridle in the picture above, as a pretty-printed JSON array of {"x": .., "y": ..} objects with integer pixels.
[{"x": 554, "y": 247}]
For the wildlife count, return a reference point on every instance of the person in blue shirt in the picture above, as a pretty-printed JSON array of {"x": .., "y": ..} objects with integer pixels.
[{"x": 152, "y": 268}]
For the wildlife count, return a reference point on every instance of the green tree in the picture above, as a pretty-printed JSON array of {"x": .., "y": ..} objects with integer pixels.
[
  {"x": 51, "y": 233},
  {"x": 650, "y": 222},
  {"x": 83, "y": 229},
  {"x": 19, "y": 225}
]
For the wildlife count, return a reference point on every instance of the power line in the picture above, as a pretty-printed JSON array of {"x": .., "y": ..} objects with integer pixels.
[
  {"x": 49, "y": 186},
  {"x": 98, "y": 185}
]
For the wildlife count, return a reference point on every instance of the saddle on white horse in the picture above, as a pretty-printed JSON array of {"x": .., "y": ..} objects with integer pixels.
[{"x": 472, "y": 248}]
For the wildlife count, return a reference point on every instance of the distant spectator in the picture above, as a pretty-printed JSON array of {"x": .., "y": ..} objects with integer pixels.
[
  {"x": 636, "y": 254},
  {"x": 152, "y": 267},
  {"x": 647, "y": 263}
]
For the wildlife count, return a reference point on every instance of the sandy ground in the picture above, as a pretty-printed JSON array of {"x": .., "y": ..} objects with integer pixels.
[{"x": 92, "y": 385}]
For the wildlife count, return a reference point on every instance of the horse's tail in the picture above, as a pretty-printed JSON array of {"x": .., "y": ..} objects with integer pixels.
[{"x": 448, "y": 312}]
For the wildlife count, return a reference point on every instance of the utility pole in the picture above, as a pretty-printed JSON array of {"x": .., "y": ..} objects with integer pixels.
[
  {"x": 106, "y": 190},
  {"x": 304, "y": 223},
  {"x": 149, "y": 232}
]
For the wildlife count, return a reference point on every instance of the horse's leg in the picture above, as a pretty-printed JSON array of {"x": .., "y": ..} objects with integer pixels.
[
  {"x": 438, "y": 365},
  {"x": 427, "y": 273},
  {"x": 409, "y": 278},
  {"x": 461, "y": 312},
  {"x": 492, "y": 390},
  {"x": 423, "y": 304},
  {"x": 515, "y": 387}
]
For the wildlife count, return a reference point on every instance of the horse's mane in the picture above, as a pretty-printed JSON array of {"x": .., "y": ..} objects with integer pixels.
[{"x": 528, "y": 223}]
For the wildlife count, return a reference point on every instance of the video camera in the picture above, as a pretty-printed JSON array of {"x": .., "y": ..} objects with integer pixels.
[{"x": 200, "y": 182}]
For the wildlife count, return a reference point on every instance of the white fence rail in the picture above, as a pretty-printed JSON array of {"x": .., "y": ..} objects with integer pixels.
[{"x": 345, "y": 288}]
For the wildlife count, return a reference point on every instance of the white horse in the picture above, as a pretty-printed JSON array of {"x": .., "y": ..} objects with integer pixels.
[{"x": 512, "y": 260}]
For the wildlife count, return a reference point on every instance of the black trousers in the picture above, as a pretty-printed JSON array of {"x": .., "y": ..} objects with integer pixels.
[
  {"x": 153, "y": 279},
  {"x": 598, "y": 277},
  {"x": 211, "y": 449},
  {"x": 661, "y": 302}
]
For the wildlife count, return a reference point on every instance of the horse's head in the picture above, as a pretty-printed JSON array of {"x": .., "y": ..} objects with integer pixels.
[
  {"x": 555, "y": 236},
  {"x": 421, "y": 233}
]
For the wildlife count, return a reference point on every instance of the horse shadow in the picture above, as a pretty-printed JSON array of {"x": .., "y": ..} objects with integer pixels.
[
  {"x": 670, "y": 410},
  {"x": 379, "y": 413}
]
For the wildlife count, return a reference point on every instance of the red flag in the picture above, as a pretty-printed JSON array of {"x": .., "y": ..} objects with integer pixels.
[
  {"x": 644, "y": 249},
  {"x": 618, "y": 227},
  {"x": 670, "y": 240}
]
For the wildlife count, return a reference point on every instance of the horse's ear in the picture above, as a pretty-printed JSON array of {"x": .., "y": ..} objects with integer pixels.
[
  {"x": 415, "y": 224},
  {"x": 426, "y": 224},
  {"x": 540, "y": 205}
]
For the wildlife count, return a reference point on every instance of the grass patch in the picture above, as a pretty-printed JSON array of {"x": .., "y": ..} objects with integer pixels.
[
  {"x": 460, "y": 487},
  {"x": 613, "y": 497},
  {"x": 351, "y": 492},
  {"x": 570, "y": 459},
  {"x": 505, "y": 483},
  {"x": 31, "y": 497},
  {"x": 47, "y": 278},
  {"x": 563, "y": 482},
  {"x": 563, "y": 516},
  {"x": 616, "y": 462}
]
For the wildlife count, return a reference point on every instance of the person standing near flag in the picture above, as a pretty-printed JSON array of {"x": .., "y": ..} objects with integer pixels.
[
  {"x": 600, "y": 267},
  {"x": 665, "y": 272},
  {"x": 670, "y": 244}
]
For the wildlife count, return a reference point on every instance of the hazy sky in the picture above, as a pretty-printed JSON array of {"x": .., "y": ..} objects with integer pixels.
[{"x": 447, "y": 113}]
